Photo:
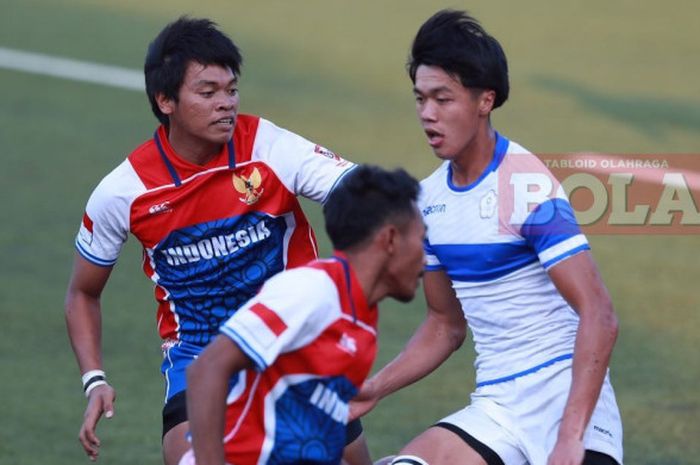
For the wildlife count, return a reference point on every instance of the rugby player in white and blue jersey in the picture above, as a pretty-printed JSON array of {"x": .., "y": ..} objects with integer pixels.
[{"x": 511, "y": 262}]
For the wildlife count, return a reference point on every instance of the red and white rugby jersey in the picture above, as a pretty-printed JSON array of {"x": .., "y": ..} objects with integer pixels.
[
  {"x": 312, "y": 338},
  {"x": 211, "y": 234}
]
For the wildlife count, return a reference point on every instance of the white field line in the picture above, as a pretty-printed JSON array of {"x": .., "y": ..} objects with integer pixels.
[
  {"x": 130, "y": 79},
  {"x": 75, "y": 70}
]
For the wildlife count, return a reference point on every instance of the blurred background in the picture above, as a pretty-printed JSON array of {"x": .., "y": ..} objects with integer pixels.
[{"x": 615, "y": 77}]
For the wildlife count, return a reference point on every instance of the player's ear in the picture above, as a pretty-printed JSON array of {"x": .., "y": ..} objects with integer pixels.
[
  {"x": 165, "y": 104},
  {"x": 391, "y": 235},
  {"x": 486, "y": 101},
  {"x": 385, "y": 238}
]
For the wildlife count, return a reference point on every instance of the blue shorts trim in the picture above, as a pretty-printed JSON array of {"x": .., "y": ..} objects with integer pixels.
[{"x": 174, "y": 366}]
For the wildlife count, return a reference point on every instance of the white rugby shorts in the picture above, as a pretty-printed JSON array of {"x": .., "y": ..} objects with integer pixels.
[{"x": 519, "y": 419}]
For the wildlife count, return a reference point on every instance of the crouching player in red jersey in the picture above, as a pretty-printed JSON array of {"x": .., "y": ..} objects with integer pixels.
[
  {"x": 212, "y": 197},
  {"x": 302, "y": 347}
]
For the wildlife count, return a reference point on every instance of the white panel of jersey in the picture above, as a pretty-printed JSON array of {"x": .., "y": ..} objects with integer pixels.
[
  {"x": 298, "y": 317},
  {"x": 495, "y": 239}
]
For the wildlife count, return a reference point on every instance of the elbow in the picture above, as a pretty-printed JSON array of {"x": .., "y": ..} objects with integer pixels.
[
  {"x": 612, "y": 324},
  {"x": 457, "y": 335},
  {"x": 69, "y": 302},
  {"x": 608, "y": 323},
  {"x": 71, "y": 306}
]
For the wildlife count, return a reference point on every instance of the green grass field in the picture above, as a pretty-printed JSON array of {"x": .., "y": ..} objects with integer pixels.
[{"x": 618, "y": 77}]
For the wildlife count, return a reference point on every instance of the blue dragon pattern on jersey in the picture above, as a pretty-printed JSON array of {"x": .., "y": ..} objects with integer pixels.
[{"x": 211, "y": 269}]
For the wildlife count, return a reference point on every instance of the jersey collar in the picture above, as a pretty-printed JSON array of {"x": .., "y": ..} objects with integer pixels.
[
  {"x": 354, "y": 291},
  {"x": 499, "y": 152},
  {"x": 160, "y": 136}
]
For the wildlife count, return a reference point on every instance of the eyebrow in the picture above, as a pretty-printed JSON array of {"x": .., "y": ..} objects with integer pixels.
[
  {"x": 435, "y": 90},
  {"x": 204, "y": 82}
]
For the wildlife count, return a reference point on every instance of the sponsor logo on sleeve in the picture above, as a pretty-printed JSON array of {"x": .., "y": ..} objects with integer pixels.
[{"x": 339, "y": 161}]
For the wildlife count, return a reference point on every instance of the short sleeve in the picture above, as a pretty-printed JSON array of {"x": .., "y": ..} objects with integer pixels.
[
  {"x": 553, "y": 232},
  {"x": 105, "y": 225},
  {"x": 291, "y": 310},
  {"x": 305, "y": 168},
  {"x": 432, "y": 261}
]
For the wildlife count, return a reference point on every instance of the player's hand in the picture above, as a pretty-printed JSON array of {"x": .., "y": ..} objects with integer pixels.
[
  {"x": 567, "y": 451},
  {"x": 100, "y": 402},
  {"x": 365, "y": 400}
]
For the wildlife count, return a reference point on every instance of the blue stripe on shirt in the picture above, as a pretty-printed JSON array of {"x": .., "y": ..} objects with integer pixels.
[
  {"x": 483, "y": 262},
  {"x": 550, "y": 223},
  {"x": 566, "y": 254}
]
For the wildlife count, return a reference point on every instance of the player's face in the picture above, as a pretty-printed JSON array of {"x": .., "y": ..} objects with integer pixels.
[
  {"x": 449, "y": 113},
  {"x": 204, "y": 115},
  {"x": 408, "y": 263}
]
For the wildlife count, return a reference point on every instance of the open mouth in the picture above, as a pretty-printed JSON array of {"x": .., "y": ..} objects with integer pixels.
[
  {"x": 224, "y": 121},
  {"x": 434, "y": 138}
]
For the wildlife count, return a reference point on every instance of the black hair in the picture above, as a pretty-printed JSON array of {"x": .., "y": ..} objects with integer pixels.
[
  {"x": 179, "y": 43},
  {"x": 366, "y": 199},
  {"x": 456, "y": 42}
]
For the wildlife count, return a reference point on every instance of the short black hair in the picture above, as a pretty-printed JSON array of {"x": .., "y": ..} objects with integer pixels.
[
  {"x": 179, "y": 43},
  {"x": 456, "y": 42},
  {"x": 367, "y": 198}
]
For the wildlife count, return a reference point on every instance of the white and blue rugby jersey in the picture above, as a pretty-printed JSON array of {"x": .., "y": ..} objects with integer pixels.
[{"x": 496, "y": 238}]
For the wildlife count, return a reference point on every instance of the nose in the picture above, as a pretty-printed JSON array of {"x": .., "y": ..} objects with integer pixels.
[
  {"x": 427, "y": 111},
  {"x": 227, "y": 102}
]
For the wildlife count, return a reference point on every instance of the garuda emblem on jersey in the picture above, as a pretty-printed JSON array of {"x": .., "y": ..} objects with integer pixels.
[{"x": 249, "y": 187}]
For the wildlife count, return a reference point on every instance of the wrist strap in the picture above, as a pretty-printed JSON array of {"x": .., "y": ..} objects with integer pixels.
[{"x": 92, "y": 379}]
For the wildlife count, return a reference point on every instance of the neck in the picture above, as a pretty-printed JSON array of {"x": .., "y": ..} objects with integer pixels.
[
  {"x": 192, "y": 150},
  {"x": 470, "y": 164},
  {"x": 367, "y": 267}
]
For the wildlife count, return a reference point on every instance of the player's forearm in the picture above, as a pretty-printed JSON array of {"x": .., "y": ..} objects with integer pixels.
[
  {"x": 206, "y": 406},
  {"x": 595, "y": 339},
  {"x": 433, "y": 342},
  {"x": 84, "y": 323}
]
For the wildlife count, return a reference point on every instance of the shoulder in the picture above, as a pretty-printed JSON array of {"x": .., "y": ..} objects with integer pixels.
[
  {"x": 122, "y": 182},
  {"x": 268, "y": 133},
  {"x": 518, "y": 158},
  {"x": 433, "y": 185},
  {"x": 437, "y": 176},
  {"x": 521, "y": 168},
  {"x": 308, "y": 282},
  {"x": 247, "y": 123},
  {"x": 147, "y": 163}
]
